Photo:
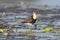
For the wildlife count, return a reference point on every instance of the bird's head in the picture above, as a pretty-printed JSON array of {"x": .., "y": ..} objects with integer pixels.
[{"x": 35, "y": 16}]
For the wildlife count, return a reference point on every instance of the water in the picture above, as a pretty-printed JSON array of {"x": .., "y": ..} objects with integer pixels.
[
  {"x": 32, "y": 3},
  {"x": 15, "y": 19},
  {"x": 24, "y": 28}
]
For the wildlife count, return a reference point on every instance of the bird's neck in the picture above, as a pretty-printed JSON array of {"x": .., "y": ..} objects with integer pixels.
[{"x": 34, "y": 16}]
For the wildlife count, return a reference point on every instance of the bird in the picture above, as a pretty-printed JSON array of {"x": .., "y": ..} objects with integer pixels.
[{"x": 31, "y": 19}]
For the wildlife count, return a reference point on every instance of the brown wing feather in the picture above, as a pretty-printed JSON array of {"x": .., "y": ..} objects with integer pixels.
[{"x": 28, "y": 20}]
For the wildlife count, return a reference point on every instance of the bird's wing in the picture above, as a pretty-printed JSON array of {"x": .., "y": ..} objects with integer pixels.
[{"x": 27, "y": 20}]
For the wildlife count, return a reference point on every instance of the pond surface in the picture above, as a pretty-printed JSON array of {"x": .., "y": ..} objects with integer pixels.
[{"x": 16, "y": 19}]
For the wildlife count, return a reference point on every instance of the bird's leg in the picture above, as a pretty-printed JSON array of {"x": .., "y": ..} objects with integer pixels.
[{"x": 35, "y": 25}]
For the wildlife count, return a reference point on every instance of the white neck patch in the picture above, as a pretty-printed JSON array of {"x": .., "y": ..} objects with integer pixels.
[{"x": 34, "y": 15}]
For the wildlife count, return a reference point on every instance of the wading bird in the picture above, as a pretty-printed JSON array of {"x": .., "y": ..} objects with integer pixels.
[{"x": 32, "y": 19}]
